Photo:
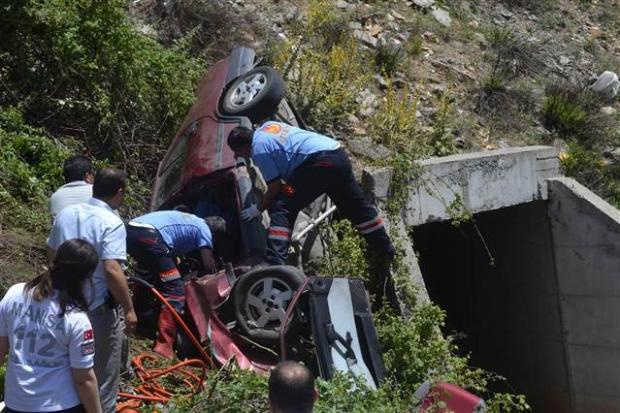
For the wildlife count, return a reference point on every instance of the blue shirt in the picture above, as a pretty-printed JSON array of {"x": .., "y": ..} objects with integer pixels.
[
  {"x": 181, "y": 232},
  {"x": 278, "y": 148}
]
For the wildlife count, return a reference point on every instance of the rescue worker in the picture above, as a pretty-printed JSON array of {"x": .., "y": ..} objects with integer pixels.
[
  {"x": 310, "y": 164},
  {"x": 155, "y": 240}
]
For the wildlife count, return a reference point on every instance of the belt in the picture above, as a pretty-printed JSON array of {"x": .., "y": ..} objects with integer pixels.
[{"x": 141, "y": 225}]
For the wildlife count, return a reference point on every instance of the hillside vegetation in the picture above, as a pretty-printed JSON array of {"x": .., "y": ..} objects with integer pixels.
[{"x": 396, "y": 81}]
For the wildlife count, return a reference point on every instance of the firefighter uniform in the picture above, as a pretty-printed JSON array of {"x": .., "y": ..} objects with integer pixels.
[{"x": 311, "y": 164}]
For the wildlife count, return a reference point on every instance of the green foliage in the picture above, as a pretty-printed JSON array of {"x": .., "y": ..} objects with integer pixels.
[
  {"x": 30, "y": 171},
  {"x": 587, "y": 167},
  {"x": 388, "y": 57},
  {"x": 394, "y": 124},
  {"x": 346, "y": 252},
  {"x": 81, "y": 68},
  {"x": 326, "y": 71},
  {"x": 562, "y": 113},
  {"x": 507, "y": 403},
  {"x": 442, "y": 138},
  {"x": 457, "y": 212}
]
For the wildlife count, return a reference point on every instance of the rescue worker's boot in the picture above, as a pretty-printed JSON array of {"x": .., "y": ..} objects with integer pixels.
[{"x": 166, "y": 334}]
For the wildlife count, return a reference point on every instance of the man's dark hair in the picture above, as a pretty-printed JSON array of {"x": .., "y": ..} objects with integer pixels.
[
  {"x": 240, "y": 137},
  {"x": 216, "y": 224},
  {"x": 76, "y": 168},
  {"x": 291, "y": 388},
  {"x": 107, "y": 183}
]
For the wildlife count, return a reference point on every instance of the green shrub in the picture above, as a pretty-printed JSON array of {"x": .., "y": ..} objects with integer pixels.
[
  {"x": 30, "y": 170},
  {"x": 81, "y": 68},
  {"x": 394, "y": 124},
  {"x": 346, "y": 252},
  {"x": 388, "y": 57},
  {"x": 562, "y": 113},
  {"x": 326, "y": 71}
]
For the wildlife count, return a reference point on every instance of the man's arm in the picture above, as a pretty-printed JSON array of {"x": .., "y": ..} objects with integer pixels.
[
  {"x": 273, "y": 189},
  {"x": 117, "y": 284},
  {"x": 208, "y": 261}
]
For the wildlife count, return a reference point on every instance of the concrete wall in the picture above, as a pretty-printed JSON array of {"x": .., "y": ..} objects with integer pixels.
[
  {"x": 508, "y": 310},
  {"x": 484, "y": 181},
  {"x": 586, "y": 233}
]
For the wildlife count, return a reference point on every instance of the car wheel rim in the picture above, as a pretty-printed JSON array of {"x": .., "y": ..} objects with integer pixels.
[
  {"x": 247, "y": 89},
  {"x": 266, "y": 303}
]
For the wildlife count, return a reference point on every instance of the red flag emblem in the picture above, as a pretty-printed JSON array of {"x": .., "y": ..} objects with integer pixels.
[{"x": 88, "y": 335}]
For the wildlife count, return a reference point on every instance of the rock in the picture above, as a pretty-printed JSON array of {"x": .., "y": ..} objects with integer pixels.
[
  {"x": 365, "y": 38},
  {"x": 364, "y": 146},
  {"x": 428, "y": 111},
  {"x": 564, "y": 60},
  {"x": 383, "y": 84},
  {"x": 343, "y": 5},
  {"x": 398, "y": 16},
  {"x": 368, "y": 102},
  {"x": 442, "y": 16},
  {"x": 613, "y": 154},
  {"x": 481, "y": 40},
  {"x": 608, "y": 110},
  {"x": 375, "y": 29},
  {"x": 355, "y": 25},
  {"x": 506, "y": 14},
  {"x": 424, "y": 4},
  {"x": 607, "y": 85}
]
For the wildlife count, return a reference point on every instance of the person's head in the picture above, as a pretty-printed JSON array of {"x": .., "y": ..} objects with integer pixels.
[
  {"x": 109, "y": 186},
  {"x": 240, "y": 141},
  {"x": 74, "y": 264},
  {"x": 291, "y": 388},
  {"x": 78, "y": 168}
]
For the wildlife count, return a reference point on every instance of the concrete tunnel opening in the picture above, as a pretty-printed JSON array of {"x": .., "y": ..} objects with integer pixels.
[
  {"x": 545, "y": 315},
  {"x": 504, "y": 300}
]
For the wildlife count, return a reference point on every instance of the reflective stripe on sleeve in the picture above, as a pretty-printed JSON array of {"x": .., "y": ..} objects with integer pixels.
[
  {"x": 370, "y": 226},
  {"x": 279, "y": 233}
]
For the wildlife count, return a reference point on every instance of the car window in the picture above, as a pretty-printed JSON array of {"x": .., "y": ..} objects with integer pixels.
[{"x": 171, "y": 170}]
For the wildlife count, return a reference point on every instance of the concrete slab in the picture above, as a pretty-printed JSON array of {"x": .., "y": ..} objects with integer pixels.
[
  {"x": 592, "y": 320},
  {"x": 483, "y": 181}
]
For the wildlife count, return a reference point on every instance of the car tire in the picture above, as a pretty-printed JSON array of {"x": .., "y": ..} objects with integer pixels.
[
  {"x": 255, "y": 94},
  {"x": 261, "y": 298}
]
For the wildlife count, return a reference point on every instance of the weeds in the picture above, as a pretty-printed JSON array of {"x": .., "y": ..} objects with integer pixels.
[
  {"x": 395, "y": 124},
  {"x": 325, "y": 69},
  {"x": 388, "y": 57}
]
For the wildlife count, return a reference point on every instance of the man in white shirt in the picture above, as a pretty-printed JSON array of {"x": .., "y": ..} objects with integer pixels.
[
  {"x": 96, "y": 223},
  {"x": 78, "y": 173}
]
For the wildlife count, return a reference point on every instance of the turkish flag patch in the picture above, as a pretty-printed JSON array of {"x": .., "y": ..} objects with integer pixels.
[{"x": 88, "y": 335}]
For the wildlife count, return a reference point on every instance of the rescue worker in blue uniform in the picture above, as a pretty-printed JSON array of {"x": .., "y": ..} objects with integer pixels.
[
  {"x": 155, "y": 240},
  {"x": 310, "y": 164}
]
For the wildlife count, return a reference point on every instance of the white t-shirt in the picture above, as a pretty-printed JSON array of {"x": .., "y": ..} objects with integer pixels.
[
  {"x": 72, "y": 193},
  {"x": 43, "y": 349},
  {"x": 96, "y": 223}
]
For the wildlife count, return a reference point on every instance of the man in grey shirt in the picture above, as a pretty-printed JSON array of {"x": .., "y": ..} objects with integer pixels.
[{"x": 78, "y": 173}]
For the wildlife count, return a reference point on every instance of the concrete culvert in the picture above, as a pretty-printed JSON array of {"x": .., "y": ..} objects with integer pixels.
[{"x": 544, "y": 312}]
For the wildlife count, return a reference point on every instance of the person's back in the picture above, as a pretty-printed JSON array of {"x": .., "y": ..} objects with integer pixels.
[
  {"x": 182, "y": 232},
  {"x": 278, "y": 148},
  {"x": 291, "y": 388},
  {"x": 78, "y": 185},
  {"x": 49, "y": 339},
  {"x": 43, "y": 349}
]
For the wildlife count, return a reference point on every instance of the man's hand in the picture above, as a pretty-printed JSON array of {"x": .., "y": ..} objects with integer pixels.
[
  {"x": 131, "y": 322},
  {"x": 250, "y": 212}
]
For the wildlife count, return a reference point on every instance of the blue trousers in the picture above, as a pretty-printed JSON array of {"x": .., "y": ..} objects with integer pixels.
[
  {"x": 148, "y": 248},
  {"x": 323, "y": 172}
]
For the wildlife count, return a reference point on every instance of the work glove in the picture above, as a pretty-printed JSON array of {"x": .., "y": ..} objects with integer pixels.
[{"x": 250, "y": 212}]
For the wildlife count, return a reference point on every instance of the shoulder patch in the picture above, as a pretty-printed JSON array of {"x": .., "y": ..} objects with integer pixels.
[{"x": 273, "y": 128}]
